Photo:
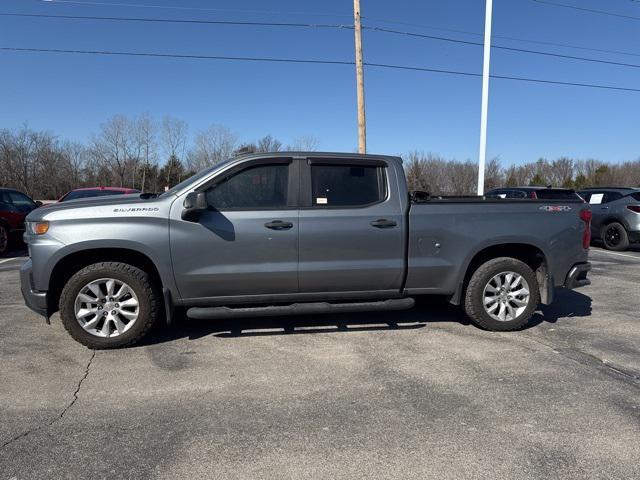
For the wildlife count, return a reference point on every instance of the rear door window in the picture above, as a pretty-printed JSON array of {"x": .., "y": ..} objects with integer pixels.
[
  {"x": 611, "y": 197},
  {"x": 516, "y": 194},
  {"x": 347, "y": 185},
  {"x": 497, "y": 194}
]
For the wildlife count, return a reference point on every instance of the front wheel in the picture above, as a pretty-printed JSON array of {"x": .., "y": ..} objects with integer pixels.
[
  {"x": 109, "y": 305},
  {"x": 502, "y": 295},
  {"x": 615, "y": 237}
]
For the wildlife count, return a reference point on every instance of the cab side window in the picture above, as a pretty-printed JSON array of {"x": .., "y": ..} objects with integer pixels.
[
  {"x": 347, "y": 185},
  {"x": 258, "y": 187}
]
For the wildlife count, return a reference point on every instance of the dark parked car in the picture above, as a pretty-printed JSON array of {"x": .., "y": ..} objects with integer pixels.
[
  {"x": 89, "y": 192},
  {"x": 616, "y": 215},
  {"x": 14, "y": 207},
  {"x": 543, "y": 193}
]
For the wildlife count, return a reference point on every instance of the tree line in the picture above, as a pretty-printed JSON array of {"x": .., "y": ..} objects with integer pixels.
[
  {"x": 150, "y": 155},
  {"x": 440, "y": 176},
  {"x": 137, "y": 152}
]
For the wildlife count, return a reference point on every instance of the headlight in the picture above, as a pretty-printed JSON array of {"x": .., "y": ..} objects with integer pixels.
[{"x": 37, "y": 228}]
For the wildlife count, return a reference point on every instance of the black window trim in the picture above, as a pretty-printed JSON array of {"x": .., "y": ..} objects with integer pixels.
[
  {"x": 306, "y": 186},
  {"x": 360, "y": 162},
  {"x": 292, "y": 183}
]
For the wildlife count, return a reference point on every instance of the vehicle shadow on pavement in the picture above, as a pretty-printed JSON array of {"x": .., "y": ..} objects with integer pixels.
[
  {"x": 567, "y": 303},
  {"x": 15, "y": 252},
  {"x": 427, "y": 310}
]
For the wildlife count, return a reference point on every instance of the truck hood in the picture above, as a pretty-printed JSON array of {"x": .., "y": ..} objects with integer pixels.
[{"x": 99, "y": 206}]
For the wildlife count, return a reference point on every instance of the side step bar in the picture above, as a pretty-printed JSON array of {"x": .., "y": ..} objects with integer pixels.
[{"x": 207, "y": 313}]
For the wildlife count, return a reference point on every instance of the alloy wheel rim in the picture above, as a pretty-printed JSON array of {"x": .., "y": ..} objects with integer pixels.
[
  {"x": 106, "y": 307},
  {"x": 506, "y": 295}
]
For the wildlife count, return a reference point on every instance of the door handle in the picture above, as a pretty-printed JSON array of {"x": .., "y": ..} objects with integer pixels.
[
  {"x": 383, "y": 223},
  {"x": 604, "y": 208},
  {"x": 278, "y": 225}
]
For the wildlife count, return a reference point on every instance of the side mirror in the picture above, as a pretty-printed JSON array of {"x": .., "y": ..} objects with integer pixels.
[
  {"x": 418, "y": 196},
  {"x": 38, "y": 203},
  {"x": 194, "y": 203}
]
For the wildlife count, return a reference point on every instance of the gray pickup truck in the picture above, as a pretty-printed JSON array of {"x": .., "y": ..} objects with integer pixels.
[{"x": 282, "y": 233}]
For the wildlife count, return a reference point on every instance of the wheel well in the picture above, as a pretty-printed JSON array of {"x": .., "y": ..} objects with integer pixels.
[
  {"x": 76, "y": 261},
  {"x": 609, "y": 220},
  {"x": 526, "y": 253}
]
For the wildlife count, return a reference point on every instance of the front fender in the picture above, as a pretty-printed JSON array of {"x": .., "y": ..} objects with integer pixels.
[{"x": 53, "y": 253}]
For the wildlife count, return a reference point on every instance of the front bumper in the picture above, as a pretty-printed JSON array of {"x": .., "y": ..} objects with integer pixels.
[
  {"x": 634, "y": 236},
  {"x": 577, "y": 276},
  {"x": 35, "y": 300}
]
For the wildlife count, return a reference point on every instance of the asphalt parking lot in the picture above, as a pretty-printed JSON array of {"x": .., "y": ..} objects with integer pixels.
[{"x": 417, "y": 394}]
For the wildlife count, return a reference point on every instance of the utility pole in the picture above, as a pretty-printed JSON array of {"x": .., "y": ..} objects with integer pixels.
[
  {"x": 362, "y": 121},
  {"x": 485, "y": 95}
]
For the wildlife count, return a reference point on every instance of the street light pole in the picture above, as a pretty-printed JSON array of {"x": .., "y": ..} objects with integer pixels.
[{"x": 485, "y": 95}]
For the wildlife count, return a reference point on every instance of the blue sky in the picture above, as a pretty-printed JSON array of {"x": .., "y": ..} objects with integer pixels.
[{"x": 71, "y": 95}]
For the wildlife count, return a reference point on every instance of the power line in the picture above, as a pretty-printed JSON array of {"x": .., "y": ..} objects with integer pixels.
[
  {"x": 172, "y": 20},
  {"x": 315, "y": 61},
  {"x": 566, "y": 45},
  {"x": 312, "y": 25},
  {"x": 501, "y": 47},
  {"x": 199, "y": 9},
  {"x": 366, "y": 18},
  {"x": 589, "y": 10},
  {"x": 507, "y": 37}
]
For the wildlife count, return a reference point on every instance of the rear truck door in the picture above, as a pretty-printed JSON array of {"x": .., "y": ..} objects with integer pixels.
[
  {"x": 246, "y": 242},
  {"x": 352, "y": 227}
]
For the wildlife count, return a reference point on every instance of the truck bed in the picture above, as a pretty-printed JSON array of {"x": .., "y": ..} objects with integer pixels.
[{"x": 445, "y": 234}]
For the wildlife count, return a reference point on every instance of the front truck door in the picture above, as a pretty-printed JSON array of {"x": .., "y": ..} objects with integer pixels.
[
  {"x": 351, "y": 227},
  {"x": 246, "y": 243}
]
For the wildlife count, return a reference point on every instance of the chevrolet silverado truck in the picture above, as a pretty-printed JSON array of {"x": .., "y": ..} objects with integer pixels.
[{"x": 295, "y": 233}]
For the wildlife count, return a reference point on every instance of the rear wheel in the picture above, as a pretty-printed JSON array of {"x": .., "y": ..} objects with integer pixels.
[
  {"x": 109, "y": 305},
  {"x": 4, "y": 239},
  {"x": 502, "y": 295},
  {"x": 614, "y": 237}
]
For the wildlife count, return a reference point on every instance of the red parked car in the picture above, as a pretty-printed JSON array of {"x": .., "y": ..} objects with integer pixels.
[
  {"x": 14, "y": 206},
  {"x": 95, "y": 192}
]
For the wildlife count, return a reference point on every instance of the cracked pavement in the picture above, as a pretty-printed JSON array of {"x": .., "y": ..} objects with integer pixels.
[{"x": 414, "y": 394}]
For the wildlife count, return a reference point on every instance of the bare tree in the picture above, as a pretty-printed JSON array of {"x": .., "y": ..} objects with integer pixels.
[
  {"x": 75, "y": 155},
  {"x": 304, "y": 143},
  {"x": 561, "y": 172},
  {"x": 146, "y": 134},
  {"x": 111, "y": 145},
  {"x": 268, "y": 144},
  {"x": 211, "y": 146},
  {"x": 494, "y": 174},
  {"x": 174, "y": 142}
]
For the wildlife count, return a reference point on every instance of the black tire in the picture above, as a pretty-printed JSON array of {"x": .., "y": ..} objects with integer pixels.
[
  {"x": 474, "y": 294},
  {"x": 150, "y": 304},
  {"x": 615, "y": 237},
  {"x": 4, "y": 238}
]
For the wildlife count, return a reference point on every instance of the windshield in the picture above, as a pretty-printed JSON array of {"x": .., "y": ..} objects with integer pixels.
[
  {"x": 76, "y": 194},
  {"x": 193, "y": 179}
]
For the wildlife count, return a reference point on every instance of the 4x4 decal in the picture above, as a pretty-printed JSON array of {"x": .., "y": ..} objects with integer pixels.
[{"x": 556, "y": 208}]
